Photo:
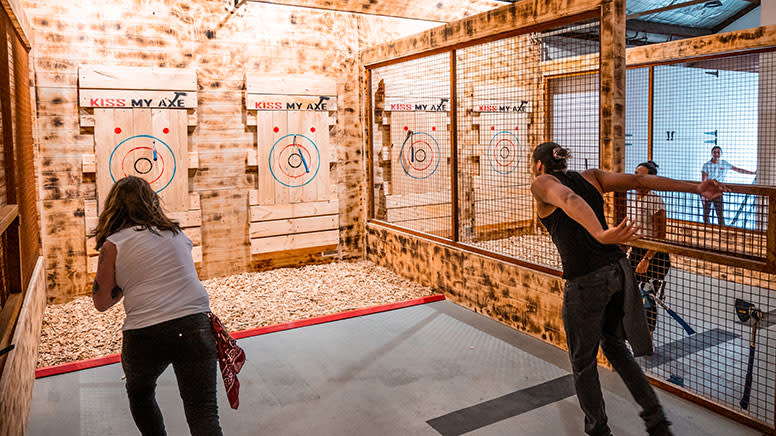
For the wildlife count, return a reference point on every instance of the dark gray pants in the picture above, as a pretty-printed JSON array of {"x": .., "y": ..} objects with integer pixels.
[
  {"x": 592, "y": 311},
  {"x": 719, "y": 207},
  {"x": 187, "y": 343}
]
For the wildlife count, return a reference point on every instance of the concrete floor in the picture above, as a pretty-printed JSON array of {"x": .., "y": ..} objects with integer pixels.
[{"x": 424, "y": 370}]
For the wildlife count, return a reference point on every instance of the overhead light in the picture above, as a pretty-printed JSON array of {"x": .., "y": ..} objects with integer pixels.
[{"x": 712, "y": 4}]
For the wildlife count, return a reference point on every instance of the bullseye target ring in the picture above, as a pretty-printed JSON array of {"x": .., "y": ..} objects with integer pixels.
[
  {"x": 294, "y": 162},
  {"x": 144, "y": 156},
  {"x": 420, "y": 155},
  {"x": 504, "y": 152}
]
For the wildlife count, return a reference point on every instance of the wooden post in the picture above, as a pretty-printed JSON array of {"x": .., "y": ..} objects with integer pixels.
[
  {"x": 7, "y": 115},
  {"x": 651, "y": 113},
  {"x": 612, "y": 102},
  {"x": 369, "y": 155},
  {"x": 454, "y": 144}
]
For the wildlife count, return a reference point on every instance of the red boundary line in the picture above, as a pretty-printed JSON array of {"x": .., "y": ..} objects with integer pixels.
[{"x": 115, "y": 358}]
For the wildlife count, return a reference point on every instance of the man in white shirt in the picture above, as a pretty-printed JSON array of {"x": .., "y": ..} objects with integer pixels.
[{"x": 716, "y": 169}]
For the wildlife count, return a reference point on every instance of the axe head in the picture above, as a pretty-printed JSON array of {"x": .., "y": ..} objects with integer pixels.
[{"x": 744, "y": 309}]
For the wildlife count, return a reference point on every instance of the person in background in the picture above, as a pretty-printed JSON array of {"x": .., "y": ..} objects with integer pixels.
[
  {"x": 715, "y": 169},
  {"x": 650, "y": 266},
  {"x": 146, "y": 259},
  {"x": 601, "y": 303}
]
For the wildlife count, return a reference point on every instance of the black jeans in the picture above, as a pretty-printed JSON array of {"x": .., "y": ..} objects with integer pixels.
[
  {"x": 592, "y": 311},
  {"x": 719, "y": 206},
  {"x": 187, "y": 343}
]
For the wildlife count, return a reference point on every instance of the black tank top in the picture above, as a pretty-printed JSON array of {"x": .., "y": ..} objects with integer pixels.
[{"x": 579, "y": 251}]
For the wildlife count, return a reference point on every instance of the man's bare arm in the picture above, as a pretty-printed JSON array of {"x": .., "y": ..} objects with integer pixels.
[{"x": 621, "y": 182}]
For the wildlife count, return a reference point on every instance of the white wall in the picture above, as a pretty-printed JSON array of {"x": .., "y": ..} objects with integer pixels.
[
  {"x": 752, "y": 19},
  {"x": 768, "y": 12}
]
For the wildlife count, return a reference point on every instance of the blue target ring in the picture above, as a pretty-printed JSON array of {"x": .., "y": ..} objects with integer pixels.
[
  {"x": 408, "y": 163},
  {"x": 301, "y": 157},
  {"x": 499, "y": 160},
  {"x": 153, "y": 138}
]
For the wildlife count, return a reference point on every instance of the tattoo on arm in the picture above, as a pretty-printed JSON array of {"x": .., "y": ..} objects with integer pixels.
[
  {"x": 95, "y": 287},
  {"x": 114, "y": 293}
]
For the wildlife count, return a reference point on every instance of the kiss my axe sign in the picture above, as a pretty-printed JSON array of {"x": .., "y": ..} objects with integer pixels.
[
  {"x": 290, "y": 93},
  {"x": 115, "y": 87},
  {"x": 117, "y": 99}
]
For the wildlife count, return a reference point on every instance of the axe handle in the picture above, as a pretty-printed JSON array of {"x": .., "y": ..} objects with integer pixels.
[
  {"x": 749, "y": 369},
  {"x": 748, "y": 381},
  {"x": 675, "y": 316}
]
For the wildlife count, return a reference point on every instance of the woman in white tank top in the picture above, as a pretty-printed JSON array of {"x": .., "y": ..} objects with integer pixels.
[{"x": 146, "y": 259}]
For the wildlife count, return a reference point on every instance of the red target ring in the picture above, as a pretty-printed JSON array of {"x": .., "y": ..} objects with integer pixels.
[
  {"x": 509, "y": 147},
  {"x": 300, "y": 147},
  {"x": 430, "y": 152},
  {"x": 143, "y": 148}
]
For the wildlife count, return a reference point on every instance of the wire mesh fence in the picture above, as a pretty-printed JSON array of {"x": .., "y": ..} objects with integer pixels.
[
  {"x": 411, "y": 144},
  {"x": 704, "y": 267},
  {"x": 513, "y": 94}
]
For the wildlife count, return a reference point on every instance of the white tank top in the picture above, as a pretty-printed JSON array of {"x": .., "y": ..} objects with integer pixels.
[{"x": 157, "y": 275}]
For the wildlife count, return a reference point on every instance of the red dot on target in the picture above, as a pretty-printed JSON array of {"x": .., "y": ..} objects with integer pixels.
[
  {"x": 492, "y": 127},
  {"x": 433, "y": 128},
  {"x": 517, "y": 128},
  {"x": 117, "y": 130},
  {"x": 406, "y": 128},
  {"x": 165, "y": 130},
  {"x": 275, "y": 130},
  {"x": 312, "y": 129}
]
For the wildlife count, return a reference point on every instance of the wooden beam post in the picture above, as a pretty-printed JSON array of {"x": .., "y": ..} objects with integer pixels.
[{"x": 612, "y": 102}]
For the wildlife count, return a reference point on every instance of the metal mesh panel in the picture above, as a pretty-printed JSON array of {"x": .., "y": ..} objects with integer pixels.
[
  {"x": 713, "y": 362},
  {"x": 703, "y": 285},
  {"x": 411, "y": 143},
  {"x": 636, "y": 117},
  {"x": 702, "y": 343},
  {"x": 514, "y": 94},
  {"x": 704, "y": 104}
]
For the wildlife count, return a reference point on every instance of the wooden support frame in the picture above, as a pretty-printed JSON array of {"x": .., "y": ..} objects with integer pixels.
[
  {"x": 19, "y": 21},
  {"x": 454, "y": 145},
  {"x": 508, "y": 21},
  {"x": 612, "y": 63}
]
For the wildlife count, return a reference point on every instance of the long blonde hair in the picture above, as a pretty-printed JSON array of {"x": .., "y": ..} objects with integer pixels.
[{"x": 132, "y": 203}]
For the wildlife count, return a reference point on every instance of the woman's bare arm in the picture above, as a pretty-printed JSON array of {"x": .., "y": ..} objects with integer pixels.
[{"x": 105, "y": 292}]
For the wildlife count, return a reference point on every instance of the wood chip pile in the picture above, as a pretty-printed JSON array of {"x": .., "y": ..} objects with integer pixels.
[{"x": 76, "y": 331}]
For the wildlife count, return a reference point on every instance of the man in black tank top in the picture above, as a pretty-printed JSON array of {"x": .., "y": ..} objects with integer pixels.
[{"x": 601, "y": 304}]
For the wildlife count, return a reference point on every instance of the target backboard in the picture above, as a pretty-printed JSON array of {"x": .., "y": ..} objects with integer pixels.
[
  {"x": 420, "y": 153},
  {"x": 147, "y": 143},
  {"x": 293, "y": 156},
  {"x": 295, "y": 206},
  {"x": 140, "y": 118}
]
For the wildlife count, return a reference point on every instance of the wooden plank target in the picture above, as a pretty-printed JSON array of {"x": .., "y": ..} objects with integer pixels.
[
  {"x": 502, "y": 173},
  {"x": 421, "y": 152},
  {"x": 147, "y": 143},
  {"x": 295, "y": 205},
  {"x": 293, "y": 157}
]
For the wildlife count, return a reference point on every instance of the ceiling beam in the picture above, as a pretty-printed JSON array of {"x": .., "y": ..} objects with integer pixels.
[
  {"x": 753, "y": 4},
  {"x": 666, "y": 29}
]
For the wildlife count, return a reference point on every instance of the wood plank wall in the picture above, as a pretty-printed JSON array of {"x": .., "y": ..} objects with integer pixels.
[
  {"x": 221, "y": 46},
  {"x": 18, "y": 374},
  {"x": 26, "y": 156},
  {"x": 527, "y": 300}
]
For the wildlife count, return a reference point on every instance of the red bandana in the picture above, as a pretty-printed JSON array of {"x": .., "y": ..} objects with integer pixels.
[{"x": 230, "y": 358}]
